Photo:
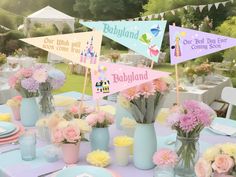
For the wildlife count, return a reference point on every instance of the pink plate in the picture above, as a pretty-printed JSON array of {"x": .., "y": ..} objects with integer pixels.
[{"x": 13, "y": 137}]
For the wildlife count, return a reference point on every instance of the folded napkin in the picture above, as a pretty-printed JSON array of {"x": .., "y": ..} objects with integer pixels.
[
  {"x": 61, "y": 101},
  {"x": 228, "y": 130},
  {"x": 5, "y": 117}
]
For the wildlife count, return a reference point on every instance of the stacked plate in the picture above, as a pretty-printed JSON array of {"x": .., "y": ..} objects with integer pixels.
[
  {"x": 86, "y": 171},
  {"x": 9, "y": 132}
]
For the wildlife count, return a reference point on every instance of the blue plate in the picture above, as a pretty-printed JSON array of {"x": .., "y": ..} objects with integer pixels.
[
  {"x": 9, "y": 127},
  {"x": 88, "y": 170}
]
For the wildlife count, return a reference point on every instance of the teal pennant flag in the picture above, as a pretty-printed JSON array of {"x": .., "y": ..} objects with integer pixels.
[{"x": 143, "y": 37}]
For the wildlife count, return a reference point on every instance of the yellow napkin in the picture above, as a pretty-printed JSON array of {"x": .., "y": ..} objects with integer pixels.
[
  {"x": 109, "y": 109},
  {"x": 61, "y": 101},
  {"x": 5, "y": 117}
]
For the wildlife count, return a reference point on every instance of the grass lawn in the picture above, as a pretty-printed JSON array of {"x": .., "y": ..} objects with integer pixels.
[{"x": 75, "y": 82}]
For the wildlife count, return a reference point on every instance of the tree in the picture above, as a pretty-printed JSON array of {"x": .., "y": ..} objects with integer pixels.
[{"x": 108, "y": 9}]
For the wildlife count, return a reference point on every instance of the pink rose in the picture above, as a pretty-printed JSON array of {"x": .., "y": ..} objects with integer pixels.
[
  {"x": 110, "y": 119},
  {"x": 71, "y": 134},
  {"x": 74, "y": 109},
  {"x": 100, "y": 118},
  {"x": 27, "y": 72},
  {"x": 40, "y": 75},
  {"x": 12, "y": 81},
  {"x": 221, "y": 175},
  {"x": 57, "y": 136},
  {"x": 223, "y": 163},
  {"x": 160, "y": 85},
  {"x": 203, "y": 168},
  {"x": 91, "y": 119}
]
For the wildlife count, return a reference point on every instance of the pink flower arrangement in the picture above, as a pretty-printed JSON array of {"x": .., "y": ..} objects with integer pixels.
[
  {"x": 66, "y": 135},
  {"x": 165, "y": 157},
  {"x": 100, "y": 119},
  {"x": 144, "y": 99},
  {"x": 192, "y": 116},
  {"x": 217, "y": 161}
]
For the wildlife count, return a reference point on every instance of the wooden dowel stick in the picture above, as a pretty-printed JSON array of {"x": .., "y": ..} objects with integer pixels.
[{"x": 177, "y": 84}]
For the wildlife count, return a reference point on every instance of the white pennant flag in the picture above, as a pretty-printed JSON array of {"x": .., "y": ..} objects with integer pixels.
[
  {"x": 130, "y": 19},
  {"x": 173, "y": 12},
  {"x": 209, "y": 6},
  {"x": 136, "y": 19},
  {"x": 143, "y": 18},
  {"x": 232, "y": 1},
  {"x": 201, "y": 7},
  {"x": 194, "y": 7},
  {"x": 224, "y": 3},
  {"x": 186, "y": 7},
  {"x": 217, "y": 5},
  {"x": 162, "y": 14},
  {"x": 179, "y": 9},
  {"x": 156, "y": 15},
  {"x": 149, "y": 17}
]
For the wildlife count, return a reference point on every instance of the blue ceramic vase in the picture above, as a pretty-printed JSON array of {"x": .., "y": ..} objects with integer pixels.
[
  {"x": 99, "y": 139},
  {"x": 145, "y": 145},
  {"x": 29, "y": 112}
]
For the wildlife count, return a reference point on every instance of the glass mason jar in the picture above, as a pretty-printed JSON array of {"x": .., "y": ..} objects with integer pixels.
[
  {"x": 164, "y": 171},
  {"x": 188, "y": 152}
]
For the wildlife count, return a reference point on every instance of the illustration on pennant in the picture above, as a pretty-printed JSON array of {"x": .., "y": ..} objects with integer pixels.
[
  {"x": 176, "y": 45},
  {"x": 88, "y": 54},
  {"x": 103, "y": 84}
]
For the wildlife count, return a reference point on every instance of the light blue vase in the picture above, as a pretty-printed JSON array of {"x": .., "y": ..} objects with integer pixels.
[
  {"x": 145, "y": 145},
  {"x": 29, "y": 112},
  {"x": 120, "y": 113},
  {"x": 99, "y": 139}
]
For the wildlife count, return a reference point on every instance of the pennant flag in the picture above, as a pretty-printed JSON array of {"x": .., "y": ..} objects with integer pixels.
[
  {"x": 173, "y": 12},
  {"x": 82, "y": 48},
  {"x": 156, "y": 15},
  {"x": 224, "y": 3},
  {"x": 201, "y": 7},
  {"x": 111, "y": 78},
  {"x": 162, "y": 14},
  {"x": 209, "y": 6},
  {"x": 217, "y": 5},
  {"x": 143, "y": 37},
  {"x": 149, "y": 17},
  {"x": 194, "y": 7},
  {"x": 186, "y": 7},
  {"x": 186, "y": 44}
]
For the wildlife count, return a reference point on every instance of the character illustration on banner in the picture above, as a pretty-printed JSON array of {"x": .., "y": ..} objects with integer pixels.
[
  {"x": 145, "y": 38},
  {"x": 103, "y": 84},
  {"x": 176, "y": 46},
  {"x": 155, "y": 30},
  {"x": 153, "y": 51},
  {"x": 88, "y": 53}
]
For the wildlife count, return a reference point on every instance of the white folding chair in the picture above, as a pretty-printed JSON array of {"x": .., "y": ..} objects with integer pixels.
[{"x": 229, "y": 95}]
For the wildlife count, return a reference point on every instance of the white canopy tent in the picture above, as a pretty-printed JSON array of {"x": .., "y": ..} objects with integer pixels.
[{"x": 49, "y": 15}]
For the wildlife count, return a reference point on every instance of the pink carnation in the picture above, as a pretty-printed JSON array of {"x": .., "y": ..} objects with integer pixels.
[
  {"x": 130, "y": 93},
  {"x": 146, "y": 89},
  {"x": 71, "y": 134},
  {"x": 40, "y": 75},
  {"x": 26, "y": 72},
  {"x": 57, "y": 136},
  {"x": 160, "y": 85},
  {"x": 188, "y": 123},
  {"x": 165, "y": 157}
]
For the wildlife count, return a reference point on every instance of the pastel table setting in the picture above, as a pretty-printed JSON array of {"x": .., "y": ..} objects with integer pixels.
[{"x": 12, "y": 165}]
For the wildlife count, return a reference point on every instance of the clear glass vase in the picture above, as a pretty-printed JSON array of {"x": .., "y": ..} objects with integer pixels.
[
  {"x": 188, "y": 152},
  {"x": 164, "y": 171},
  {"x": 46, "y": 99}
]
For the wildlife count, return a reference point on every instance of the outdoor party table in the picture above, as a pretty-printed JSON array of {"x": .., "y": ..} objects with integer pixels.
[
  {"x": 204, "y": 93},
  {"x": 11, "y": 164}
]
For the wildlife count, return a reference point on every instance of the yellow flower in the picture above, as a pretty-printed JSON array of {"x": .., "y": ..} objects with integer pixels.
[
  {"x": 123, "y": 101},
  {"x": 229, "y": 148},
  {"x": 83, "y": 126},
  {"x": 13, "y": 103},
  {"x": 128, "y": 122},
  {"x": 5, "y": 117},
  {"x": 42, "y": 122},
  {"x": 98, "y": 158},
  {"x": 211, "y": 153},
  {"x": 63, "y": 124},
  {"x": 162, "y": 115},
  {"x": 123, "y": 141}
]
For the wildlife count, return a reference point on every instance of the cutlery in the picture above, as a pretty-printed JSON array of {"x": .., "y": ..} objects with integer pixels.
[{"x": 45, "y": 174}]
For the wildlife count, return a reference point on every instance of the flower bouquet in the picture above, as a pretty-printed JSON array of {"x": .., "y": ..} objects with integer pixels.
[
  {"x": 143, "y": 105},
  {"x": 217, "y": 161},
  {"x": 188, "y": 120},
  {"x": 49, "y": 79},
  {"x": 75, "y": 113},
  {"x": 99, "y": 137},
  {"x": 68, "y": 134},
  {"x": 165, "y": 161}
]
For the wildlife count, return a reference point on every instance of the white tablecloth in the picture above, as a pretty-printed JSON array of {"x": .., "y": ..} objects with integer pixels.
[{"x": 207, "y": 96}]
